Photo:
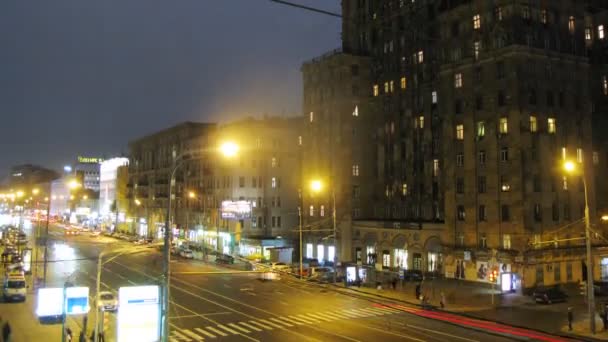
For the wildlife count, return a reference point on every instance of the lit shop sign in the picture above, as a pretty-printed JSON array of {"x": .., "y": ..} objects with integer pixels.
[
  {"x": 236, "y": 210},
  {"x": 50, "y": 302},
  {"x": 139, "y": 313},
  {"x": 89, "y": 160}
]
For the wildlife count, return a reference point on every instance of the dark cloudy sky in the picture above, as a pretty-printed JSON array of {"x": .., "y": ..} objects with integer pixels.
[{"x": 85, "y": 77}]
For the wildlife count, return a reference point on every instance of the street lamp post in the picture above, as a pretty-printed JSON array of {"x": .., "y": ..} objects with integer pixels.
[
  {"x": 571, "y": 167},
  {"x": 228, "y": 149}
]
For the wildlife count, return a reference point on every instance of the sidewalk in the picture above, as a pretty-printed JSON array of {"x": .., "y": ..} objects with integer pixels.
[{"x": 475, "y": 301}]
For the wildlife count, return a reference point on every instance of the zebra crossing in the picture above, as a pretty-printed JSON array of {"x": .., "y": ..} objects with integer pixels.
[{"x": 215, "y": 331}]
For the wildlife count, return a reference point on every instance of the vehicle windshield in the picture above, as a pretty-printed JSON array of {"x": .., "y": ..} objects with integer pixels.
[
  {"x": 107, "y": 296},
  {"x": 16, "y": 284}
]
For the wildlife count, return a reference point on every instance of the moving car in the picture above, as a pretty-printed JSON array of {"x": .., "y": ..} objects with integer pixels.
[
  {"x": 321, "y": 274},
  {"x": 224, "y": 259},
  {"x": 413, "y": 275},
  {"x": 107, "y": 301},
  {"x": 549, "y": 295},
  {"x": 186, "y": 253},
  {"x": 269, "y": 275},
  {"x": 13, "y": 287},
  {"x": 280, "y": 266}
]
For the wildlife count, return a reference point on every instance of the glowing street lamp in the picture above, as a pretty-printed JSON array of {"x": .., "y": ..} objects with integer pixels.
[
  {"x": 20, "y": 194},
  {"x": 569, "y": 166},
  {"x": 73, "y": 184},
  {"x": 229, "y": 149},
  {"x": 35, "y": 191},
  {"x": 316, "y": 185},
  {"x": 85, "y": 197},
  {"x": 137, "y": 202},
  {"x": 604, "y": 217},
  {"x": 191, "y": 194}
]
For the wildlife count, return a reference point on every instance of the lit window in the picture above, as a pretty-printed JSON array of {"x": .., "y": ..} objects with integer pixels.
[
  {"x": 504, "y": 126},
  {"x": 458, "y": 80},
  {"x": 356, "y": 170},
  {"x": 481, "y": 129},
  {"x": 476, "y": 49},
  {"x": 300, "y": 140},
  {"x": 533, "y": 125},
  {"x": 565, "y": 183},
  {"x": 579, "y": 155},
  {"x": 435, "y": 167},
  {"x": 356, "y": 111},
  {"x": 386, "y": 87},
  {"x": 434, "y": 97},
  {"x": 564, "y": 153},
  {"x": 605, "y": 85},
  {"x": 600, "y": 31},
  {"x": 506, "y": 239},
  {"x": 571, "y": 24},
  {"x": 596, "y": 158},
  {"x": 309, "y": 251},
  {"x": 477, "y": 21},
  {"x": 311, "y": 210},
  {"x": 403, "y": 82},
  {"x": 273, "y": 182},
  {"x": 551, "y": 125},
  {"x": 587, "y": 34},
  {"x": 376, "y": 90},
  {"x": 543, "y": 16},
  {"x": 404, "y": 189},
  {"x": 419, "y": 122},
  {"x": 498, "y": 13},
  {"x": 460, "y": 132},
  {"x": 392, "y": 86},
  {"x": 418, "y": 57},
  {"x": 322, "y": 211},
  {"x": 273, "y": 162},
  {"x": 312, "y": 116}
]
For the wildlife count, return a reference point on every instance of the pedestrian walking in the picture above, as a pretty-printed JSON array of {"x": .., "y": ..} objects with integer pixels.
[
  {"x": 68, "y": 333},
  {"x": 570, "y": 318},
  {"x": 417, "y": 291},
  {"x": 394, "y": 283},
  {"x": 6, "y": 332},
  {"x": 442, "y": 300}
]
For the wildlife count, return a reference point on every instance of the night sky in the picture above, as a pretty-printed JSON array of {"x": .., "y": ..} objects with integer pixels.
[{"x": 85, "y": 77}]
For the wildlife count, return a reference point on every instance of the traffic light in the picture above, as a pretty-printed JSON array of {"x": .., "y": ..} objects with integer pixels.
[
  {"x": 493, "y": 276},
  {"x": 583, "y": 287}
]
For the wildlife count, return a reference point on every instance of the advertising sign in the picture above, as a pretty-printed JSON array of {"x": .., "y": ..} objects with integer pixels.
[
  {"x": 236, "y": 210},
  {"x": 50, "y": 302},
  {"x": 76, "y": 300},
  {"x": 139, "y": 313}
]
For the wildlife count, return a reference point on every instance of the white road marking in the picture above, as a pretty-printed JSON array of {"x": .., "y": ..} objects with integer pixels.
[
  {"x": 318, "y": 317},
  {"x": 346, "y": 313},
  {"x": 330, "y": 317},
  {"x": 389, "y": 310},
  {"x": 180, "y": 336},
  {"x": 250, "y": 326},
  {"x": 267, "y": 327},
  {"x": 239, "y": 328},
  {"x": 369, "y": 311},
  {"x": 204, "y": 332},
  {"x": 131, "y": 282},
  {"x": 281, "y": 322},
  {"x": 440, "y": 333},
  {"x": 221, "y": 326},
  {"x": 336, "y": 314},
  {"x": 358, "y": 314},
  {"x": 300, "y": 319},
  {"x": 193, "y": 335},
  {"x": 219, "y": 332}
]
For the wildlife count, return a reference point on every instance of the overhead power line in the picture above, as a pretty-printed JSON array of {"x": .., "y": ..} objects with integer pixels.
[{"x": 308, "y": 8}]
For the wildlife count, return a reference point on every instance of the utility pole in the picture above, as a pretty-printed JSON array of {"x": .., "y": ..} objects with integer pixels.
[
  {"x": 590, "y": 293},
  {"x": 333, "y": 194}
]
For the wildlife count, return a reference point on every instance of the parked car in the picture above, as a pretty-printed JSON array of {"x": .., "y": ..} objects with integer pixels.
[
  {"x": 107, "y": 301},
  {"x": 549, "y": 295},
  {"x": 280, "y": 266},
  {"x": 264, "y": 276},
  {"x": 186, "y": 253},
  {"x": 413, "y": 275},
  {"x": 224, "y": 259},
  {"x": 321, "y": 273}
]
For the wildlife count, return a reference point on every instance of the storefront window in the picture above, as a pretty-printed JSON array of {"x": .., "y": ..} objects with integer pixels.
[
  {"x": 604, "y": 265},
  {"x": 358, "y": 254},
  {"x": 386, "y": 259},
  {"x": 309, "y": 250},
  {"x": 320, "y": 253},
  {"x": 370, "y": 254},
  {"x": 400, "y": 257},
  {"x": 331, "y": 253},
  {"x": 432, "y": 262},
  {"x": 417, "y": 261}
]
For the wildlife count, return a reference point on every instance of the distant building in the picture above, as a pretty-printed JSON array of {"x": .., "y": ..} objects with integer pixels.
[
  {"x": 108, "y": 183},
  {"x": 89, "y": 168}
]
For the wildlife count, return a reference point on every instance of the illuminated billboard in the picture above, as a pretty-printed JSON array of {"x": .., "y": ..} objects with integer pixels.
[
  {"x": 76, "y": 300},
  {"x": 139, "y": 313},
  {"x": 236, "y": 210},
  {"x": 50, "y": 302}
]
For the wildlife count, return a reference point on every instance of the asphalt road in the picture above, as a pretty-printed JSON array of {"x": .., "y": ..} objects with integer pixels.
[{"x": 209, "y": 302}]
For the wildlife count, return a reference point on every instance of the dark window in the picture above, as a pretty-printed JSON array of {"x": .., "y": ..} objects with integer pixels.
[
  {"x": 566, "y": 211},
  {"x": 460, "y": 212},
  {"x": 478, "y": 74},
  {"x": 555, "y": 212},
  {"x": 501, "y": 98},
  {"x": 500, "y": 70},
  {"x": 460, "y": 185},
  {"x": 482, "y": 213},
  {"x": 560, "y": 99},
  {"x": 479, "y": 102},
  {"x": 532, "y": 97},
  {"x": 538, "y": 213},
  {"x": 279, "y": 221},
  {"x": 549, "y": 98},
  {"x": 481, "y": 184},
  {"x": 458, "y": 107},
  {"x": 504, "y": 154},
  {"x": 505, "y": 213},
  {"x": 241, "y": 182},
  {"x": 482, "y": 157},
  {"x": 536, "y": 183},
  {"x": 455, "y": 29},
  {"x": 274, "y": 222},
  {"x": 354, "y": 69}
]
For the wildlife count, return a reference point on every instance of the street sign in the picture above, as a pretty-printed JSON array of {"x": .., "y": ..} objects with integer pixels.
[
  {"x": 139, "y": 313},
  {"x": 76, "y": 300},
  {"x": 49, "y": 302}
]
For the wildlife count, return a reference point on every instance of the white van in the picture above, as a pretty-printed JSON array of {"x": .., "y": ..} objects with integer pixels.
[{"x": 14, "y": 287}]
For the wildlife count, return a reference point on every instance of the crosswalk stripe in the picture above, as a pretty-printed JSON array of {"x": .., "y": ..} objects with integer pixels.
[
  {"x": 281, "y": 322},
  {"x": 377, "y": 311},
  {"x": 181, "y": 336},
  {"x": 358, "y": 314},
  {"x": 193, "y": 335},
  {"x": 346, "y": 313},
  {"x": 217, "y": 331},
  {"x": 332, "y": 318},
  {"x": 204, "y": 332},
  {"x": 290, "y": 320},
  {"x": 239, "y": 328},
  {"x": 317, "y": 317},
  {"x": 363, "y": 312},
  {"x": 301, "y": 319},
  {"x": 388, "y": 309},
  {"x": 371, "y": 312},
  {"x": 250, "y": 326},
  {"x": 336, "y": 314},
  {"x": 173, "y": 339},
  {"x": 311, "y": 317},
  {"x": 270, "y": 324},
  {"x": 221, "y": 326}
]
